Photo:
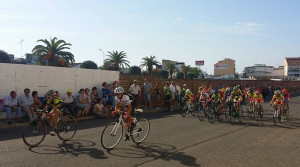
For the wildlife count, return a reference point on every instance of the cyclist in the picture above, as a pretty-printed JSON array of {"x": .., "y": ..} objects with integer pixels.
[
  {"x": 52, "y": 105},
  {"x": 250, "y": 96},
  {"x": 217, "y": 99},
  {"x": 258, "y": 98},
  {"x": 123, "y": 103},
  {"x": 236, "y": 97},
  {"x": 199, "y": 93},
  {"x": 286, "y": 97},
  {"x": 189, "y": 96},
  {"x": 183, "y": 90},
  {"x": 278, "y": 100}
]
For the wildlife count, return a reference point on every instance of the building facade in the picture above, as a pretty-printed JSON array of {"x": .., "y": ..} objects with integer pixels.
[
  {"x": 261, "y": 70},
  {"x": 224, "y": 67},
  {"x": 292, "y": 67}
]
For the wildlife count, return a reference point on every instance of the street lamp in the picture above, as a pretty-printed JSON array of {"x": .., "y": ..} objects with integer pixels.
[{"x": 103, "y": 56}]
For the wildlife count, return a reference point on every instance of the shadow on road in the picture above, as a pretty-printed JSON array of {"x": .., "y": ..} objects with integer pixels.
[
  {"x": 75, "y": 148},
  {"x": 155, "y": 151}
]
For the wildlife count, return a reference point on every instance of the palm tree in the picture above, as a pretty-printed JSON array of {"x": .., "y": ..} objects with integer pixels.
[
  {"x": 197, "y": 71},
  {"x": 53, "y": 53},
  {"x": 171, "y": 67},
  {"x": 185, "y": 69},
  {"x": 118, "y": 59},
  {"x": 149, "y": 62}
]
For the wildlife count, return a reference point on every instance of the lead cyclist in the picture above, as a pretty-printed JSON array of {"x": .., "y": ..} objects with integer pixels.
[{"x": 123, "y": 103}]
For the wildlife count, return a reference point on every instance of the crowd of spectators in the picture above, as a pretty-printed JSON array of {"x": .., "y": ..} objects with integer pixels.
[{"x": 86, "y": 103}]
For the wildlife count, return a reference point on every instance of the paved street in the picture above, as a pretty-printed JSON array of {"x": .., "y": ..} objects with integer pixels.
[{"x": 173, "y": 141}]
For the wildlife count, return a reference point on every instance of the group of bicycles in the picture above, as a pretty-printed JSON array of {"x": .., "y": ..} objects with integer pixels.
[
  {"x": 229, "y": 111},
  {"x": 36, "y": 130}
]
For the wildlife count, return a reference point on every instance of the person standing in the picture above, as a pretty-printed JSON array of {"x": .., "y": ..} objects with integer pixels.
[
  {"x": 147, "y": 93},
  {"x": 173, "y": 91},
  {"x": 157, "y": 96},
  {"x": 135, "y": 91},
  {"x": 10, "y": 104},
  {"x": 177, "y": 94},
  {"x": 167, "y": 96},
  {"x": 69, "y": 102},
  {"x": 26, "y": 102}
]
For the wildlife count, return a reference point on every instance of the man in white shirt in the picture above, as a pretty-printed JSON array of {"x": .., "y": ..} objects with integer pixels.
[
  {"x": 10, "y": 104},
  {"x": 26, "y": 101},
  {"x": 177, "y": 94},
  {"x": 69, "y": 102},
  {"x": 173, "y": 91},
  {"x": 135, "y": 91}
]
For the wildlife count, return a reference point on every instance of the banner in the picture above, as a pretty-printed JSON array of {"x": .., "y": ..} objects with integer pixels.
[
  {"x": 221, "y": 66},
  {"x": 199, "y": 63}
]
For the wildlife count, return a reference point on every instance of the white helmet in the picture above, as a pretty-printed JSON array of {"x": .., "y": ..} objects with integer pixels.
[
  {"x": 119, "y": 90},
  {"x": 51, "y": 93},
  {"x": 188, "y": 91},
  {"x": 184, "y": 85}
]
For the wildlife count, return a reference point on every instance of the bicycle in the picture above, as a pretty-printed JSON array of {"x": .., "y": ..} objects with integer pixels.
[
  {"x": 66, "y": 124},
  {"x": 187, "y": 108},
  {"x": 256, "y": 111},
  {"x": 213, "y": 112},
  {"x": 234, "y": 114},
  {"x": 276, "y": 115},
  {"x": 202, "y": 110},
  {"x": 113, "y": 132},
  {"x": 286, "y": 109},
  {"x": 250, "y": 108}
]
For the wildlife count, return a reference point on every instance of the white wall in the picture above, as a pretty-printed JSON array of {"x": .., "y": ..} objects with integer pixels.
[{"x": 17, "y": 77}]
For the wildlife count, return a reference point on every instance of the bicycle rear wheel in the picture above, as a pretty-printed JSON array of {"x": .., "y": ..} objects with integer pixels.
[
  {"x": 34, "y": 132},
  {"x": 111, "y": 135},
  {"x": 211, "y": 115},
  {"x": 140, "y": 131},
  {"x": 201, "y": 113},
  {"x": 66, "y": 127}
]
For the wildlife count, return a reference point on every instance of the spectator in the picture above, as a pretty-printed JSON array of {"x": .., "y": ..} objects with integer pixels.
[
  {"x": 94, "y": 96},
  {"x": 167, "y": 96},
  {"x": 157, "y": 96},
  {"x": 36, "y": 101},
  {"x": 109, "y": 98},
  {"x": 82, "y": 103},
  {"x": 87, "y": 95},
  {"x": 147, "y": 91},
  {"x": 103, "y": 88},
  {"x": 69, "y": 102},
  {"x": 172, "y": 91},
  {"x": 99, "y": 109},
  {"x": 114, "y": 86},
  {"x": 26, "y": 101},
  {"x": 135, "y": 91},
  {"x": 10, "y": 104},
  {"x": 177, "y": 94}
]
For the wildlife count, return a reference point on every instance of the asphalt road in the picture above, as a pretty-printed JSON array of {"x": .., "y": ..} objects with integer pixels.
[{"x": 173, "y": 141}]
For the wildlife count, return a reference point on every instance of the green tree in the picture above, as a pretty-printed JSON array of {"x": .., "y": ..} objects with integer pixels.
[
  {"x": 171, "y": 67},
  {"x": 53, "y": 53},
  {"x": 89, "y": 65},
  {"x": 117, "y": 59},
  {"x": 191, "y": 75},
  {"x": 164, "y": 73},
  {"x": 149, "y": 62},
  {"x": 185, "y": 69},
  {"x": 180, "y": 75},
  {"x": 135, "y": 70},
  {"x": 4, "y": 58},
  {"x": 196, "y": 71}
]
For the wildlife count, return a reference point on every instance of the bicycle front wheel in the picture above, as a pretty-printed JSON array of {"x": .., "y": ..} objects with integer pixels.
[
  {"x": 34, "y": 132},
  {"x": 184, "y": 111},
  {"x": 111, "y": 135},
  {"x": 140, "y": 131},
  {"x": 211, "y": 115},
  {"x": 201, "y": 113},
  {"x": 66, "y": 128}
]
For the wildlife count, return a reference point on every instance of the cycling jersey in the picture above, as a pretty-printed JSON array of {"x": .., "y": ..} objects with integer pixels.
[
  {"x": 55, "y": 101},
  {"x": 124, "y": 101},
  {"x": 216, "y": 97},
  {"x": 258, "y": 98},
  {"x": 190, "y": 96},
  {"x": 278, "y": 99},
  {"x": 286, "y": 95},
  {"x": 183, "y": 91},
  {"x": 237, "y": 93},
  {"x": 167, "y": 90}
]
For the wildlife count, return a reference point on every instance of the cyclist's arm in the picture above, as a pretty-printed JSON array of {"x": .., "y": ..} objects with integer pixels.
[{"x": 129, "y": 108}]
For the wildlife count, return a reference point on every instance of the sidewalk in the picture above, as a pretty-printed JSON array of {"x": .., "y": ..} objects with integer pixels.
[{"x": 15, "y": 124}]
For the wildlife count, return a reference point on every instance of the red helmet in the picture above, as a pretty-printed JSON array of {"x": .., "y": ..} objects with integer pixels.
[{"x": 284, "y": 90}]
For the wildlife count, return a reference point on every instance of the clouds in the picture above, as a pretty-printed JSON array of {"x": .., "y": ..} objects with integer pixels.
[{"x": 237, "y": 28}]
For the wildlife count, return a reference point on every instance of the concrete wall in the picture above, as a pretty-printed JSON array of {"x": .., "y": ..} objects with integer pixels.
[{"x": 43, "y": 78}]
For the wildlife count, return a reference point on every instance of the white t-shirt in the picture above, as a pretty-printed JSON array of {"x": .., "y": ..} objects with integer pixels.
[
  {"x": 134, "y": 89},
  {"x": 172, "y": 89},
  {"x": 125, "y": 100},
  {"x": 68, "y": 99}
]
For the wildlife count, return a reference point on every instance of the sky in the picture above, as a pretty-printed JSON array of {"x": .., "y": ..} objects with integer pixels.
[{"x": 249, "y": 31}]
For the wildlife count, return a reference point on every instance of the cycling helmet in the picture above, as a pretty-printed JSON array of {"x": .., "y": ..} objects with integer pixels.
[
  {"x": 200, "y": 88},
  {"x": 257, "y": 92},
  {"x": 216, "y": 91},
  {"x": 284, "y": 90},
  {"x": 119, "y": 90},
  {"x": 51, "y": 93},
  {"x": 184, "y": 85},
  {"x": 235, "y": 88},
  {"x": 228, "y": 89},
  {"x": 188, "y": 91},
  {"x": 277, "y": 92}
]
